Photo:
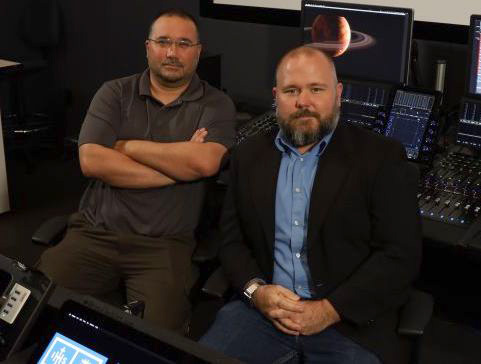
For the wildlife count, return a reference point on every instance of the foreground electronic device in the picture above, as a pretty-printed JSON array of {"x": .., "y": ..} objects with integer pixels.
[
  {"x": 367, "y": 42},
  {"x": 24, "y": 292},
  {"x": 90, "y": 331},
  {"x": 413, "y": 120}
]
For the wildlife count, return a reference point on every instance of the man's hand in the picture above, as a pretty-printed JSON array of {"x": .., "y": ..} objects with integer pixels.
[
  {"x": 291, "y": 315},
  {"x": 278, "y": 304},
  {"x": 316, "y": 316},
  {"x": 199, "y": 135}
]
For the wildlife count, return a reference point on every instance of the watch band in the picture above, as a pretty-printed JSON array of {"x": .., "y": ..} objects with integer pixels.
[{"x": 251, "y": 287}]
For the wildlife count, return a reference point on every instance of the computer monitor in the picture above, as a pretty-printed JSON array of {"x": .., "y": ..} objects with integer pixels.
[
  {"x": 368, "y": 42},
  {"x": 86, "y": 330},
  {"x": 474, "y": 60},
  {"x": 469, "y": 127}
]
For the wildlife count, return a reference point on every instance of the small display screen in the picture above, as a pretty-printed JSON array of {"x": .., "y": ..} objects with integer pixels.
[
  {"x": 408, "y": 120},
  {"x": 469, "y": 128},
  {"x": 474, "y": 77},
  {"x": 62, "y": 350}
]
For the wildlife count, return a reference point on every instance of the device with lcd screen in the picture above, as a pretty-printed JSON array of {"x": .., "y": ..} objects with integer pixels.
[
  {"x": 367, "y": 42},
  {"x": 413, "y": 120},
  {"x": 88, "y": 330},
  {"x": 469, "y": 127}
]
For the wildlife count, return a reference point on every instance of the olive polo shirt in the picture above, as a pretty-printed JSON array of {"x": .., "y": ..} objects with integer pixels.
[{"x": 125, "y": 109}]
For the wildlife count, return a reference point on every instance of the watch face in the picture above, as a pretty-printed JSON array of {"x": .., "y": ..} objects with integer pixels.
[{"x": 251, "y": 289}]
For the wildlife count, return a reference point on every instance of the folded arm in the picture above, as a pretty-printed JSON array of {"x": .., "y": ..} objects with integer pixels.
[
  {"x": 184, "y": 161},
  {"x": 118, "y": 170}
]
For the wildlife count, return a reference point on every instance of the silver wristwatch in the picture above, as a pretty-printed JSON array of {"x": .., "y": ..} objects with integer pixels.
[{"x": 251, "y": 287}]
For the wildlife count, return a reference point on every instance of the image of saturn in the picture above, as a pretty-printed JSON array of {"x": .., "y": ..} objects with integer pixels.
[
  {"x": 333, "y": 34},
  {"x": 365, "y": 44}
]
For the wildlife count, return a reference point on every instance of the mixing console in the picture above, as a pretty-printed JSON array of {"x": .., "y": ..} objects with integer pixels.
[{"x": 451, "y": 191}]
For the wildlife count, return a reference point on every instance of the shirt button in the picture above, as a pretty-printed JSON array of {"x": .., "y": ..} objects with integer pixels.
[
  {"x": 296, "y": 222},
  {"x": 301, "y": 159},
  {"x": 298, "y": 255},
  {"x": 298, "y": 189}
]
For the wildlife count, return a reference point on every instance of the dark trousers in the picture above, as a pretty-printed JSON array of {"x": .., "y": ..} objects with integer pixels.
[
  {"x": 244, "y": 333},
  {"x": 156, "y": 270}
]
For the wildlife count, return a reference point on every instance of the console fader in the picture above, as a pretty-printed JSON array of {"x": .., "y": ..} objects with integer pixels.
[{"x": 451, "y": 191}]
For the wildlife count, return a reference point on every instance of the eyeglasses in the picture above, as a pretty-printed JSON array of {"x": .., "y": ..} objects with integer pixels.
[{"x": 167, "y": 43}]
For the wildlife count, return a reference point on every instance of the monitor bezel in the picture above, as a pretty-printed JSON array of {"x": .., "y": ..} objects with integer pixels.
[
  {"x": 473, "y": 18},
  {"x": 407, "y": 57}
]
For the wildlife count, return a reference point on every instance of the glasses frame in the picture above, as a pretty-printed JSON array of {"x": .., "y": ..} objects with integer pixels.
[{"x": 167, "y": 43}]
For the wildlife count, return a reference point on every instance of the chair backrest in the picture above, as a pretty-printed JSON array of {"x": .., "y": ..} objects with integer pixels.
[
  {"x": 40, "y": 24},
  {"x": 260, "y": 125}
]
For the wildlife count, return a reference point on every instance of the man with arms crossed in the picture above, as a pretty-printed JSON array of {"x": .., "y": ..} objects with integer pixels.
[
  {"x": 321, "y": 232},
  {"x": 147, "y": 142}
]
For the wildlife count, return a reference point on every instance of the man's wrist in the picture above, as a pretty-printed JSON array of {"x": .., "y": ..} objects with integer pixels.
[
  {"x": 250, "y": 288},
  {"x": 331, "y": 313}
]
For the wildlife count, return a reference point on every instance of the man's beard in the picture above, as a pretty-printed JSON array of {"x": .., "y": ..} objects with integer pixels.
[
  {"x": 166, "y": 77},
  {"x": 300, "y": 133}
]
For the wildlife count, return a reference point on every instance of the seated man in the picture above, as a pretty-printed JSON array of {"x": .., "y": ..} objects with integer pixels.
[
  {"x": 147, "y": 141},
  {"x": 321, "y": 232}
]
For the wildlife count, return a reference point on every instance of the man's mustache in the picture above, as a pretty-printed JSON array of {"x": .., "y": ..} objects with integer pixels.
[
  {"x": 172, "y": 62},
  {"x": 302, "y": 113}
]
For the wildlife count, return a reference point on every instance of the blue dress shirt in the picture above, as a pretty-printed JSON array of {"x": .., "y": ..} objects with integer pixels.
[{"x": 293, "y": 194}]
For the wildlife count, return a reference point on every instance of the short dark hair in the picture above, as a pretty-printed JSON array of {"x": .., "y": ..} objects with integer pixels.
[{"x": 180, "y": 13}]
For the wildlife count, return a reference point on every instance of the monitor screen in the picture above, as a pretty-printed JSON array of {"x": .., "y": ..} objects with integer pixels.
[
  {"x": 469, "y": 127},
  {"x": 367, "y": 42},
  {"x": 474, "y": 76},
  {"x": 409, "y": 119}
]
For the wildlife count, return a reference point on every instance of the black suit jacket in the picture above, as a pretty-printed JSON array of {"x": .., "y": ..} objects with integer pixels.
[{"x": 364, "y": 235}]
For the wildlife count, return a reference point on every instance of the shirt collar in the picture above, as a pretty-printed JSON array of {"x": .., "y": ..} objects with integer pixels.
[
  {"x": 194, "y": 91},
  {"x": 285, "y": 147}
]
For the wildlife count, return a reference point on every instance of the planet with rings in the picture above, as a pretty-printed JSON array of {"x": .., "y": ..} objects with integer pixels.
[{"x": 333, "y": 34}]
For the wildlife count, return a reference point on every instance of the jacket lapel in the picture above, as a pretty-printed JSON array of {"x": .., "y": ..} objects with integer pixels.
[
  {"x": 263, "y": 184},
  {"x": 332, "y": 170}
]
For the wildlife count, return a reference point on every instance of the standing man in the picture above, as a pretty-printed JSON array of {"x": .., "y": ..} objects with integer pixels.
[
  {"x": 147, "y": 142},
  {"x": 321, "y": 232}
]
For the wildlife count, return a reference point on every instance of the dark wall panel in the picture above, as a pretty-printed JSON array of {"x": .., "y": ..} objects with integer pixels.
[{"x": 105, "y": 39}]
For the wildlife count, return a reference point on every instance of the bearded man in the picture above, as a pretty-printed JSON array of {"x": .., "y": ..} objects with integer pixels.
[{"x": 321, "y": 232}]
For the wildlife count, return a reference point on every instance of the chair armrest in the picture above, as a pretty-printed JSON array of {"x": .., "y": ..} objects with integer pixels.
[
  {"x": 216, "y": 285},
  {"x": 207, "y": 247},
  {"x": 51, "y": 231},
  {"x": 416, "y": 314}
]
